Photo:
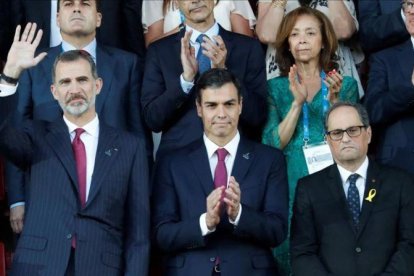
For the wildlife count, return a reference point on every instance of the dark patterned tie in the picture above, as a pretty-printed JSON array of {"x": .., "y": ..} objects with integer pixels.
[
  {"x": 353, "y": 199},
  {"x": 220, "y": 174},
  {"x": 80, "y": 158},
  {"x": 204, "y": 63}
]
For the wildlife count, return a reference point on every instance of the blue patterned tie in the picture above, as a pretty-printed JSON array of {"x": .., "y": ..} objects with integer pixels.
[
  {"x": 353, "y": 199},
  {"x": 204, "y": 63}
]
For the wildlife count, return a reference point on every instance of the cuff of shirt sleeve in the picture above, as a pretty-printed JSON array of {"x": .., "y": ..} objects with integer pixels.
[
  {"x": 186, "y": 85},
  {"x": 22, "y": 203},
  {"x": 236, "y": 221},
  {"x": 203, "y": 226},
  {"x": 7, "y": 90}
]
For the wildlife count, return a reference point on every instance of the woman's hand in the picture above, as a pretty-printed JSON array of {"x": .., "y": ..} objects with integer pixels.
[
  {"x": 333, "y": 81},
  {"x": 296, "y": 86}
]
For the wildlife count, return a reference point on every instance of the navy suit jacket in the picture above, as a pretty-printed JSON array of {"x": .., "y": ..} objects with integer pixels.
[
  {"x": 112, "y": 230},
  {"x": 121, "y": 24},
  {"x": 381, "y": 24},
  {"x": 324, "y": 240},
  {"x": 168, "y": 109},
  {"x": 183, "y": 181},
  {"x": 390, "y": 104},
  {"x": 117, "y": 104}
]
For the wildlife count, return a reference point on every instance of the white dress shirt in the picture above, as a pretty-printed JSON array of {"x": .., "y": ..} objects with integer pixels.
[
  {"x": 360, "y": 183},
  {"x": 211, "y": 148},
  {"x": 90, "y": 139}
]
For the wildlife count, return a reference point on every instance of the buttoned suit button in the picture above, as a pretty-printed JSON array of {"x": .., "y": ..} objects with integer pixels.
[
  {"x": 69, "y": 236},
  {"x": 358, "y": 250}
]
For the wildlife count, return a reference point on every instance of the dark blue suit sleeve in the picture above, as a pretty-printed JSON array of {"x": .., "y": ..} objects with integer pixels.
[
  {"x": 379, "y": 31},
  {"x": 138, "y": 217},
  {"x": 161, "y": 99},
  {"x": 269, "y": 225},
  {"x": 172, "y": 234},
  {"x": 386, "y": 103}
]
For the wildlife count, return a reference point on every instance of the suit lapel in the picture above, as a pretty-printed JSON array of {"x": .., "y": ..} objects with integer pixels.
[
  {"x": 105, "y": 156},
  {"x": 372, "y": 185},
  {"x": 106, "y": 65},
  {"x": 59, "y": 139},
  {"x": 244, "y": 158},
  {"x": 199, "y": 161},
  {"x": 337, "y": 190}
]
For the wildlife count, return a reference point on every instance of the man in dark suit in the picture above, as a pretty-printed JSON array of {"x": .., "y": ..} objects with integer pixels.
[
  {"x": 89, "y": 194},
  {"x": 354, "y": 217},
  {"x": 381, "y": 24},
  {"x": 121, "y": 28},
  {"x": 390, "y": 99},
  {"x": 207, "y": 220},
  {"x": 118, "y": 104},
  {"x": 173, "y": 66}
]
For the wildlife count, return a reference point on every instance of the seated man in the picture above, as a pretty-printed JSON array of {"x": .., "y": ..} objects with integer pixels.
[
  {"x": 354, "y": 217},
  {"x": 220, "y": 203}
]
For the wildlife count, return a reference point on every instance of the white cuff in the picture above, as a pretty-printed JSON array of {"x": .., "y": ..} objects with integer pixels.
[
  {"x": 22, "y": 203},
  {"x": 7, "y": 90},
  {"x": 186, "y": 85},
  {"x": 203, "y": 226},
  {"x": 236, "y": 221}
]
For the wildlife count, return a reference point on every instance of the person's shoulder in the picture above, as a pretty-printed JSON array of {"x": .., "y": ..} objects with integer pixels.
[
  {"x": 265, "y": 152},
  {"x": 388, "y": 172},
  {"x": 317, "y": 177},
  {"x": 116, "y": 51},
  {"x": 166, "y": 41}
]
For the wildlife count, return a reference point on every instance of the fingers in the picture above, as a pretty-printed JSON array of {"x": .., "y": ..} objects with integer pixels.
[
  {"x": 17, "y": 33},
  {"x": 16, "y": 218},
  {"x": 334, "y": 81},
  {"x": 38, "y": 38},
  {"x": 39, "y": 58},
  {"x": 232, "y": 198},
  {"x": 32, "y": 32},
  {"x": 215, "y": 50},
  {"x": 17, "y": 226},
  {"x": 213, "y": 200}
]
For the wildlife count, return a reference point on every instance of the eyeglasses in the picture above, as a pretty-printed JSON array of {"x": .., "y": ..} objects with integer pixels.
[
  {"x": 407, "y": 5},
  {"x": 337, "y": 134}
]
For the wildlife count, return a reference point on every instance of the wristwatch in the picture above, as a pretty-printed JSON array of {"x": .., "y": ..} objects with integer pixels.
[{"x": 9, "y": 79}]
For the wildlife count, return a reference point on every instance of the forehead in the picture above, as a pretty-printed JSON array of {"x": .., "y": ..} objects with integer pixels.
[
  {"x": 343, "y": 117},
  {"x": 75, "y": 68},
  {"x": 306, "y": 21},
  {"x": 226, "y": 92}
]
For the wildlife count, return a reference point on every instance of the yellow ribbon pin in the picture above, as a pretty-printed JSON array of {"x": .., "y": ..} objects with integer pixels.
[{"x": 371, "y": 195}]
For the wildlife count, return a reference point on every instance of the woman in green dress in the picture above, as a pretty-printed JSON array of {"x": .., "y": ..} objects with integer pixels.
[{"x": 308, "y": 85}]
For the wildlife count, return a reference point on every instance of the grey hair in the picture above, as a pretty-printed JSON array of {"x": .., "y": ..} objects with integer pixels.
[{"x": 362, "y": 112}]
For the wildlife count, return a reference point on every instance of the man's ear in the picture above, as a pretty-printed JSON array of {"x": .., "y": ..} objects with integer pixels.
[
  {"x": 198, "y": 108},
  {"x": 98, "y": 85},
  {"x": 54, "y": 92}
]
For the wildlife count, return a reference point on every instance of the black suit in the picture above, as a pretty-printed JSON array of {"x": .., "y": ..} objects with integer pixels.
[
  {"x": 324, "y": 241},
  {"x": 121, "y": 23}
]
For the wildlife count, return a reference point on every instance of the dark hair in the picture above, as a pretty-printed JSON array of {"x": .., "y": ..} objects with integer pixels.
[
  {"x": 327, "y": 56},
  {"x": 360, "y": 109},
  {"x": 74, "y": 55},
  {"x": 216, "y": 78},
  {"x": 98, "y": 5}
]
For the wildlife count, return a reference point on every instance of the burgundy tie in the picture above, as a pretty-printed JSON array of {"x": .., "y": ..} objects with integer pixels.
[
  {"x": 220, "y": 174},
  {"x": 80, "y": 157}
]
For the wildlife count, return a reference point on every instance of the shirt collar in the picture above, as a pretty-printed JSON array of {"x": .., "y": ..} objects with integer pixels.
[
  {"x": 412, "y": 41},
  {"x": 213, "y": 31},
  {"x": 90, "y": 48},
  {"x": 361, "y": 171},
  {"x": 231, "y": 146},
  {"x": 92, "y": 128}
]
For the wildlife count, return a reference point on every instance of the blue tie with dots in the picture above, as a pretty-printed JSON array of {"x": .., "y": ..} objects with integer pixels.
[
  {"x": 353, "y": 199},
  {"x": 204, "y": 63}
]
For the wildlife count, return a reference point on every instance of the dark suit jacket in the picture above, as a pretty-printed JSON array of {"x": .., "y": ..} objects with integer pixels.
[
  {"x": 6, "y": 33},
  {"x": 121, "y": 24},
  {"x": 381, "y": 24},
  {"x": 183, "y": 181},
  {"x": 117, "y": 105},
  {"x": 112, "y": 231},
  {"x": 324, "y": 240},
  {"x": 390, "y": 104},
  {"x": 168, "y": 109}
]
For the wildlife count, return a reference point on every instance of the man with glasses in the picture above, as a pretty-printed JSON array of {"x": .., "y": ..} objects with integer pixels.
[
  {"x": 356, "y": 216},
  {"x": 390, "y": 99}
]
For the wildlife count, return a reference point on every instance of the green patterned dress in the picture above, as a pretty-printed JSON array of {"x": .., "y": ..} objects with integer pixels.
[{"x": 279, "y": 102}]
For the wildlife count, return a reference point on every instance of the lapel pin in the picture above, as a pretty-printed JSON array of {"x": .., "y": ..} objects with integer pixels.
[
  {"x": 246, "y": 156},
  {"x": 371, "y": 195},
  {"x": 108, "y": 152}
]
